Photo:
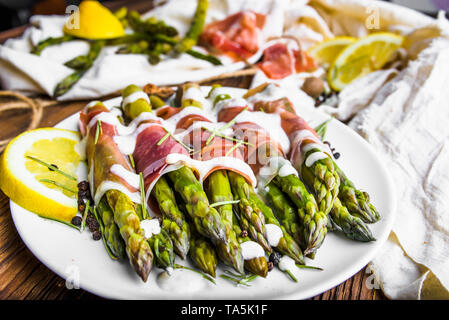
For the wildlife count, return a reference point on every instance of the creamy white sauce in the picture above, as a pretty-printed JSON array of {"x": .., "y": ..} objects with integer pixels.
[
  {"x": 287, "y": 263},
  {"x": 314, "y": 157},
  {"x": 173, "y": 120},
  {"x": 275, "y": 166},
  {"x": 271, "y": 122},
  {"x": 251, "y": 250},
  {"x": 205, "y": 167},
  {"x": 150, "y": 227},
  {"x": 274, "y": 234},
  {"x": 133, "y": 97},
  {"x": 181, "y": 281},
  {"x": 300, "y": 135},
  {"x": 271, "y": 93},
  {"x": 130, "y": 177},
  {"x": 194, "y": 94},
  {"x": 229, "y": 103}
]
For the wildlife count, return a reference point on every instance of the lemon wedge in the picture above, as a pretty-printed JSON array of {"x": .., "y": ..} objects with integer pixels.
[
  {"x": 367, "y": 54},
  {"x": 94, "y": 21},
  {"x": 27, "y": 180},
  {"x": 325, "y": 52}
]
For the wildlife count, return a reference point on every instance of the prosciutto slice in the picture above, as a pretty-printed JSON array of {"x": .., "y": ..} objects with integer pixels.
[
  {"x": 237, "y": 36},
  {"x": 261, "y": 147},
  {"x": 210, "y": 151},
  {"x": 103, "y": 154},
  {"x": 279, "y": 61}
]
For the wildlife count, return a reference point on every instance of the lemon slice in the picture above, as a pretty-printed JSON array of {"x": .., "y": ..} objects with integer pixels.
[
  {"x": 94, "y": 21},
  {"x": 325, "y": 52},
  {"x": 367, "y": 54},
  {"x": 32, "y": 185}
]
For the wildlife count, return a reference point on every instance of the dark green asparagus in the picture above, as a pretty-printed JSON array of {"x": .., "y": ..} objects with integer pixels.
[
  {"x": 37, "y": 50},
  {"x": 284, "y": 211},
  {"x": 196, "y": 27},
  {"x": 111, "y": 232},
  {"x": 81, "y": 64},
  {"x": 355, "y": 200},
  {"x": 250, "y": 215},
  {"x": 203, "y": 253},
  {"x": 218, "y": 190},
  {"x": 137, "y": 248},
  {"x": 353, "y": 227},
  {"x": 313, "y": 221}
]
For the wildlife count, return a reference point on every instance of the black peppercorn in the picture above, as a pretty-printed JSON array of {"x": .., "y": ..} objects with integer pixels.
[
  {"x": 244, "y": 233},
  {"x": 275, "y": 258},
  {"x": 336, "y": 155},
  {"x": 270, "y": 265},
  {"x": 96, "y": 235},
  {"x": 83, "y": 186}
]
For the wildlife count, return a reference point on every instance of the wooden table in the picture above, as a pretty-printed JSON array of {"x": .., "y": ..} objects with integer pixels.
[{"x": 25, "y": 277}]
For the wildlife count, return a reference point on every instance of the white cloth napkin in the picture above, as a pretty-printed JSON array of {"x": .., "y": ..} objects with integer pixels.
[{"x": 405, "y": 120}]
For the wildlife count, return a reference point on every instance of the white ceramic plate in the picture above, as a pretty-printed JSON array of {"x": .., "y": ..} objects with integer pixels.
[{"x": 74, "y": 255}]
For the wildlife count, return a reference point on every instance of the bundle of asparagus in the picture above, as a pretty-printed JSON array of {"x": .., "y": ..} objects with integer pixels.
[
  {"x": 114, "y": 193},
  {"x": 265, "y": 154},
  {"x": 227, "y": 218},
  {"x": 316, "y": 166},
  {"x": 151, "y": 37}
]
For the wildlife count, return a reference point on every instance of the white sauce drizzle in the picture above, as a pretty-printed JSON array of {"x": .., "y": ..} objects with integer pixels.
[
  {"x": 274, "y": 234},
  {"x": 314, "y": 157},
  {"x": 133, "y": 97},
  {"x": 251, "y": 250},
  {"x": 271, "y": 93},
  {"x": 275, "y": 166},
  {"x": 204, "y": 167},
  {"x": 265, "y": 121},
  {"x": 181, "y": 281},
  {"x": 194, "y": 94},
  {"x": 150, "y": 227},
  {"x": 110, "y": 185},
  {"x": 229, "y": 103},
  {"x": 130, "y": 177}
]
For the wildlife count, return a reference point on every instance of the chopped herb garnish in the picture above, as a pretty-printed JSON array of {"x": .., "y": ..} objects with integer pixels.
[
  {"x": 239, "y": 279},
  {"x": 163, "y": 139},
  {"x": 142, "y": 197},
  {"x": 291, "y": 275},
  {"x": 83, "y": 221},
  {"x": 322, "y": 129},
  {"x": 174, "y": 138},
  {"x": 302, "y": 266},
  {"x": 58, "y": 185},
  {"x": 61, "y": 221},
  {"x": 100, "y": 223},
  {"x": 222, "y": 203},
  {"x": 205, "y": 276},
  {"x": 131, "y": 159},
  {"x": 235, "y": 146},
  {"x": 52, "y": 167}
]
